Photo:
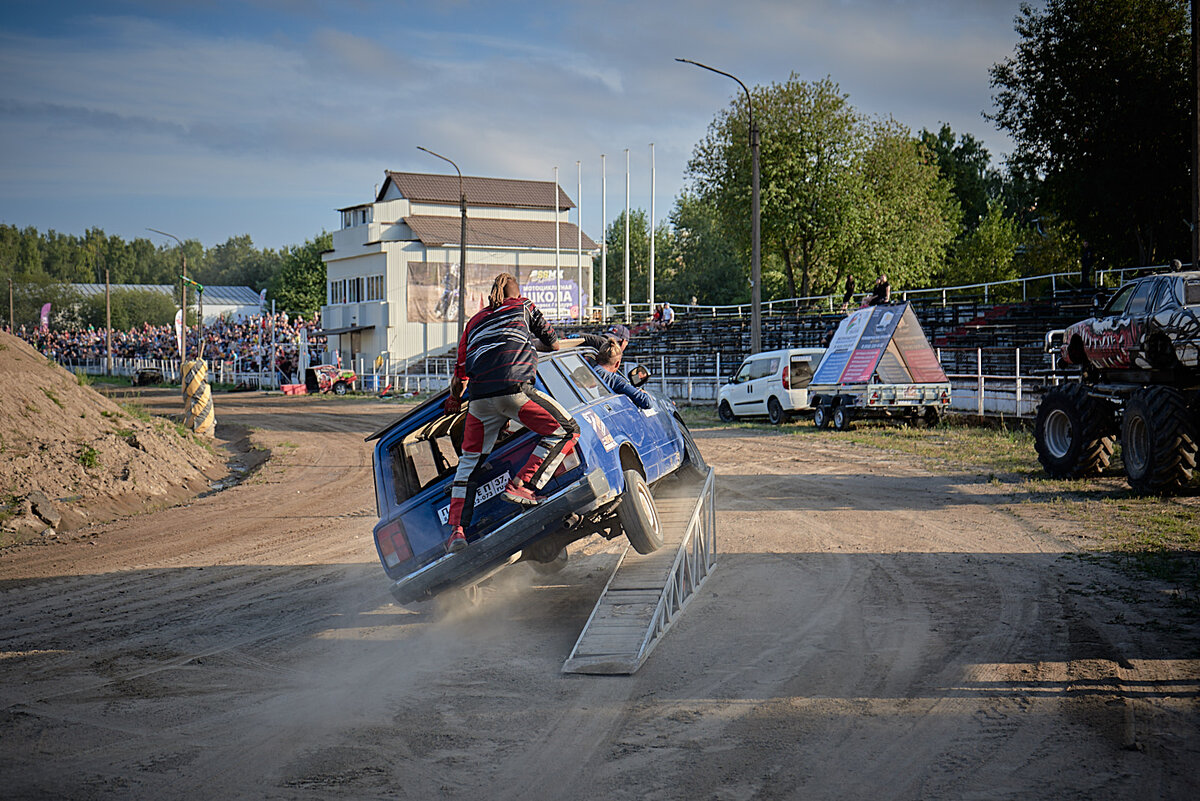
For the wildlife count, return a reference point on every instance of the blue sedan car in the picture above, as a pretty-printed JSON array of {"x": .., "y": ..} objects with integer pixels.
[{"x": 602, "y": 487}]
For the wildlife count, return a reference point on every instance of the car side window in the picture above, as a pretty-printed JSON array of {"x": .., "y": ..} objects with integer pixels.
[
  {"x": 558, "y": 385},
  {"x": 1139, "y": 303},
  {"x": 1167, "y": 296},
  {"x": 1191, "y": 292},
  {"x": 768, "y": 367},
  {"x": 745, "y": 372},
  {"x": 585, "y": 380}
]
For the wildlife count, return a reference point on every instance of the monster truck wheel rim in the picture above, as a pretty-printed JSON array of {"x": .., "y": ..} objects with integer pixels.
[
  {"x": 1136, "y": 447},
  {"x": 1059, "y": 433}
]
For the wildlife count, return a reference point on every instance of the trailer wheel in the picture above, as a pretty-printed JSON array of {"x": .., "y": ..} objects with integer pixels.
[
  {"x": 821, "y": 416},
  {"x": 842, "y": 417},
  {"x": 639, "y": 515},
  {"x": 775, "y": 412},
  {"x": 1073, "y": 433},
  {"x": 725, "y": 412},
  {"x": 1158, "y": 440},
  {"x": 932, "y": 416}
]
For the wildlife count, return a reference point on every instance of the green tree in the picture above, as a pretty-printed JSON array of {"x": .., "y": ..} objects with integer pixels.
[
  {"x": 639, "y": 258},
  {"x": 705, "y": 262},
  {"x": 130, "y": 308},
  {"x": 906, "y": 215},
  {"x": 236, "y": 262},
  {"x": 809, "y": 137},
  {"x": 966, "y": 164},
  {"x": 1096, "y": 97},
  {"x": 988, "y": 252},
  {"x": 298, "y": 287}
]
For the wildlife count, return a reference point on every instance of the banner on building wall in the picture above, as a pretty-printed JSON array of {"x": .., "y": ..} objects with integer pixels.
[{"x": 433, "y": 290}]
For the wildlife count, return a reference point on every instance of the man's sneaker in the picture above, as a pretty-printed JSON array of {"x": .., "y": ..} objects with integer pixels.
[
  {"x": 521, "y": 495},
  {"x": 457, "y": 541}
]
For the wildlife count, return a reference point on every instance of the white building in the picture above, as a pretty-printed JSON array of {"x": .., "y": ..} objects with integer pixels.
[{"x": 393, "y": 272}]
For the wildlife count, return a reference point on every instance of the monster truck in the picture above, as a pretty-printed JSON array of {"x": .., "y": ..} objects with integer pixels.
[{"x": 1138, "y": 379}]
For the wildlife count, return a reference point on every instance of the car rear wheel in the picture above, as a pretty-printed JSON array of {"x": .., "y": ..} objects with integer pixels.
[
  {"x": 1158, "y": 440},
  {"x": 821, "y": 416},
  {"x": 639, "y": 515},
  {"x": 725, "y": 412},
  {"x": 339, "y": 388},
  {"x": 775, "y": 412},
  {"x": 1073, "y": 432}
]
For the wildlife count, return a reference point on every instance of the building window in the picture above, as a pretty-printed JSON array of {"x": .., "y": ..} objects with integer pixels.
[
  {"x": 374, "y": 287},
  {"x": 355, "y": 217},
  {"x": 354, "y": 287},
  {"x": 337, "y": 292}
]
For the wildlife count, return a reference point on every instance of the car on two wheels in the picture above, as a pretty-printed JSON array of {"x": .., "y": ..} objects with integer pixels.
[{"x": 602, "y": 487}]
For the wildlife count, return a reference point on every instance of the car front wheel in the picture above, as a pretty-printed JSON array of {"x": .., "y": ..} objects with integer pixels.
[
  {"x": 725, "y": 412},
  {"x": 639, "y": 515},
  {"x": 339, "y": 388}
]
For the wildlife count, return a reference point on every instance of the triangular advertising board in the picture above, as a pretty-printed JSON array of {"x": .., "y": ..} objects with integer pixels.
[{"x": 883, "y": 340}]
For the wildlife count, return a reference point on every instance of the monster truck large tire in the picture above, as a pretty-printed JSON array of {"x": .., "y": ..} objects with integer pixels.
[
  {"x": 1073, "y": 434},
  {"x": 1158, "y": 440},
  {"x": 639, "y": 515}
]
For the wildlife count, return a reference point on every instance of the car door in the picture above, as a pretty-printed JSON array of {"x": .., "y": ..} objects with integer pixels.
[{"x": 759, "y": 385}]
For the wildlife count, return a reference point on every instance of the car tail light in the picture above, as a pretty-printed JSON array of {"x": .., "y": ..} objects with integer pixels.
[
  {"x": 569, "y": 462},
  {"x": 786, "y": 383},
  {"x": 393, "y": 543}
]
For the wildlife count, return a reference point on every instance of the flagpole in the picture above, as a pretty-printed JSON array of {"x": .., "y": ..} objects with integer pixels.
[
  {"x": 579, "y": 239},
  {"x": 603, "y": 237},
  {"x": 557, "y": 263},
  {"x": 628, "y": 314},
  {"x": 651, "y": 227}
]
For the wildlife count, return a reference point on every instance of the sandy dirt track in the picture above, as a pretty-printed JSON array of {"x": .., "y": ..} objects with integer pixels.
[{"x": 873, "y": 630}]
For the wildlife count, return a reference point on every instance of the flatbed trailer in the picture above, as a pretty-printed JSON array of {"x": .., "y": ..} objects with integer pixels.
[{"x": 841, "y": 404}]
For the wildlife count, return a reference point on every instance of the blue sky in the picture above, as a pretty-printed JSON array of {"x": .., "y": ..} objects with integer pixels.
[{"x": 212, "y": 119}]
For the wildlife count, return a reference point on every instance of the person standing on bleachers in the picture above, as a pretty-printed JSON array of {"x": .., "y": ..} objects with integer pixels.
[{"x": 849, "y": 294}]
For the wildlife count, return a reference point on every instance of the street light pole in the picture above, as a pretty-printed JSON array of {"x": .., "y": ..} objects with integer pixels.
[
  {"x": 756, "y": 213},
  {"x": 462, "y": 246},
  {"x": 182, "y": 296}
]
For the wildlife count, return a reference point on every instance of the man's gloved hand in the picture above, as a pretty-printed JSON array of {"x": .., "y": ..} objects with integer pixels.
[{"x": 453, "y": 405}]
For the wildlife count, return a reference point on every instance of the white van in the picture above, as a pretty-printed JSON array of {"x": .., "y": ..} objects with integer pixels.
[{"x": 774, "y": 383}]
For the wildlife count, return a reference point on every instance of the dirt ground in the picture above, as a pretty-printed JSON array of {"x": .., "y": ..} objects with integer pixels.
[{"x": 872, "y": 630}]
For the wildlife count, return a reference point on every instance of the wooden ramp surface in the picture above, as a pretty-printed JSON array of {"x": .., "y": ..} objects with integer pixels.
[{"x": 623, "y": 629}]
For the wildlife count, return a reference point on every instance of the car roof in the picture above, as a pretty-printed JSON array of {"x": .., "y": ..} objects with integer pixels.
[{"x": 783, "y": 351}]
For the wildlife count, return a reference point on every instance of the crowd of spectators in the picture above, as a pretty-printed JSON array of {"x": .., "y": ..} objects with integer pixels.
[{"x": 244, "y": 342}]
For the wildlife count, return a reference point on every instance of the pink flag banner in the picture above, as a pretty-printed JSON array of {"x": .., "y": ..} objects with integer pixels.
[{"x": 46, "y": 316}]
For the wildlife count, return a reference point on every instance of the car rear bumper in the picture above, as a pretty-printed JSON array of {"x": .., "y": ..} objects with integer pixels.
[{"x": 493, "y": 550}]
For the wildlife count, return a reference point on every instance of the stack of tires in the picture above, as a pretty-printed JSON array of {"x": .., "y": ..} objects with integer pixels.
[{"x": 1158, "y": 427}]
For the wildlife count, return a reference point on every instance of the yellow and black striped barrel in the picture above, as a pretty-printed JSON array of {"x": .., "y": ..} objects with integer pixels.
[{"x": 198, "y": 412}]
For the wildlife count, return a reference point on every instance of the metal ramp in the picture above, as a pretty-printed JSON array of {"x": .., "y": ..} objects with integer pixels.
[{"x": 646, "y": 594}]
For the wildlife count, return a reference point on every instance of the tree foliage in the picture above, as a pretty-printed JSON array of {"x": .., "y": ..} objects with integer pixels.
[
  {"x": 966, "y": 164},
  {"x": 1096, "y": 97},
  {"x": 298, "y": 287},
  {"x": 839, "y": 195}
]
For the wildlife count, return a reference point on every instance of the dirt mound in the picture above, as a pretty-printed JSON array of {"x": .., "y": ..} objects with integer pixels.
[{"x": 69, "y": 456}]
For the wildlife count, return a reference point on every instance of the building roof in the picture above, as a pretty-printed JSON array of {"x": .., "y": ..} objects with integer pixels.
[
  {"x": 216, "y": 295},
  {"x": 500, "y": 192},
  {"x": 485, "y": 232}
]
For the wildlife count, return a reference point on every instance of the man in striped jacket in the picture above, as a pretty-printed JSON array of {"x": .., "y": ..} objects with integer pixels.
[{"x": 497, "y": 365}]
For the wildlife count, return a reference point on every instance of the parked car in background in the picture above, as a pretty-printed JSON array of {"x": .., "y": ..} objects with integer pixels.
[
  {"x": 601, "y": 487},
  {"x": 327, "y": 378},
  {"x": 772, "y": 383}
]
